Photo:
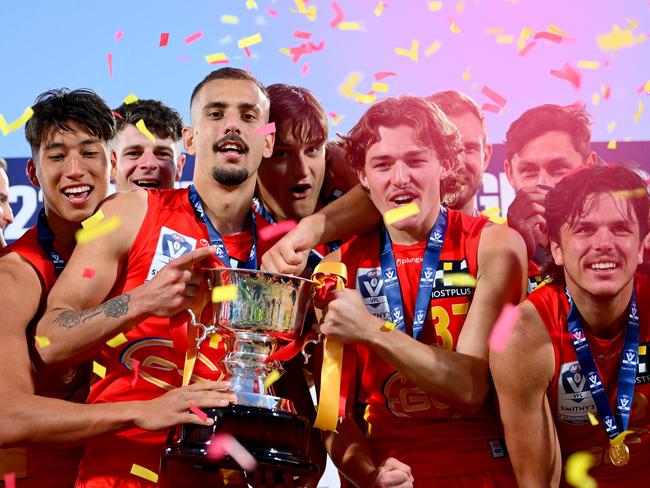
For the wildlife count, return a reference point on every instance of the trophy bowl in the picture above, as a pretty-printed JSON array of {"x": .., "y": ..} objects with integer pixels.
[{"x": 268, "y": 312}]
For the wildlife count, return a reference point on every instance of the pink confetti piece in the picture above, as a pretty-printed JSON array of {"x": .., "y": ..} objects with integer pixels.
[
  {"x": 272, "y": 12},
  {"x": 223, "y": 443},
  {"x": 118, "y": 115},
  {"x": 118, "y": 35},
  {"x": 305, "y": 48},
  {"x": 265, "y": 129},
  {"x": 135, "y": 366},
  {"x": 527, "y": 49},
  {"x": 494, "y": 96},
  {"x": 247, "y": 51},
  {"x": 304, "y": 70},
  {"x": 301, "y": 34},
  {"x": 380, "y": 75},
  {"x": 503, "y": 327},
  {"x": 549, "y": 36},
  {"x": 607, "y": 92},
  {"x": 198, "y": 412},
  {"x": 490, "y": 107},
  {"x": 270, "y": 232},
  {"x": 10, "y": 480},
  {"x": 340, "y": 15},
  {"x": 110, "y": 64},
  {"x": 164, "y": 39},
  {"x": 193, "y": 37},
  {"x": 570, "y": 74},
  {"x": 88, "y": 273}
]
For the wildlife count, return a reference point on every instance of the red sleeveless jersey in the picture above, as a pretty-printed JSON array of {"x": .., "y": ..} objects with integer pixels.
[
  {"x": 569, "y": 395},
  {"x": 47, "y": 465},
  {"x": 169, "y": 230},
  {"x": 403, "y": 421}
]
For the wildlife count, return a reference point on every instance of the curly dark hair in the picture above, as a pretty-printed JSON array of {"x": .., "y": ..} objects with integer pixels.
[
  {"x": 55, "y": 109},
  {"x": 158, "y": 117}
]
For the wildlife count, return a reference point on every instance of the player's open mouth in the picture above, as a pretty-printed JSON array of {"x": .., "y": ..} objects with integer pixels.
[
  {"x": 603, "y": 265},
  {"x": 301, "y": 190},
  {"x": 147, "y": 183},
  {"x": 77, "y": 194},
  {"x": 403, "y": 198}
]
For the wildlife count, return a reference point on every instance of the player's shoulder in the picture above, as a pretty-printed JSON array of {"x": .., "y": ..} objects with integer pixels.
[{"x": 21, "y": 273}]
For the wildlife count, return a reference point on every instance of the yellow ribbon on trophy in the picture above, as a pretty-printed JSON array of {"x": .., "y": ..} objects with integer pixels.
[{"x": 330, "y": 388}]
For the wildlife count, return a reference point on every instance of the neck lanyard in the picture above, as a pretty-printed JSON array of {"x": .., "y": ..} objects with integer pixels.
[
  {"x": 427, "y": 276},
  {"x": 215, "y": 237},
  {"x": 45, "y": 238},
  {"x": 614, "y": 425}
]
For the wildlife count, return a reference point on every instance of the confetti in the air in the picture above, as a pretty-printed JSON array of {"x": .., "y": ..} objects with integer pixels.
[
  {"x": 141, "y": 126},
  {"x": 143, "y": 472},
  {"x": 251, "y": 4},
  {"x": 7, "y": 128},
  {"x": 380, "y": 75},
  {"x": 304, "y": 70},
  {"x": 433, "y": 48},
  {"x": 388, "y": 325},
  {"x": 270, "y": 232},
  {"x": 635, "y": 193},
  {"x": 118, "y": 35},
  {"x": 379, "y": 8},
  {"x": 10, "y": 480},
  {"x": 265, "y": 129},
  {"x": 379, "y": 87},
  {"x": 411, "y": 53},
  {"x": 249, "y": 41},
  {"x": 229, "y": 19},
  {"x": 217, "y": 58},
  {"x": 639, "y": 111},
  {"x": 577, "y": 470},
  {"x": 347, "y": 26},
  {"x": 198, "y": 412},
  {"x": 99, "y": 370},
  {"x": 459, "y": 280},
  {"x": 110, "y": 64},
  {"x": 402, "y": 212},
  {"x": 587, "y": 64},
  {"x": 568, "y": 73},
  {"x": 271, "y": 378},
  {"x": 88, "y": 273},
  {"x": 340, "y": 15},
  {"x": 42, "y": 341},
  {"x": 130, "y": 98},
  {"x": 164, "y": 39},
  {"x": 549, "y": 36},
  {"x": 494, "y": 96},
  {"x": 226, "y": 293},
  {"x": 223, "y": 443},
  {"x": 435, "y": 6},
  {"x": 503, "y": 327},
  {"x": 193, "y": 37},
  {"x": 84, "y": 236},
  {"x": 592, "y": 418},
  {"x": 301, "y": 34},
  {"x": 117, "y": 341},
  {"x": 93, "y": 220}
]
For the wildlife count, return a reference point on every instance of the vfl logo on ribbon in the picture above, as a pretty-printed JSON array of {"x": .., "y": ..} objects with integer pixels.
[
  {"x": 390, "y": 275},
  {"x": 633, "y": 312},
  {"x": 397, "y": 316},
  {"x": 419, "y": 318},
  {"x": 578, "y": 336},
  {"x": 428, "y": 275},
  {"x": 610, "y": 424},
  {"x": 624, "y": 403},
  {"x": 220, "y": 251},
  {"x": 630, "y": 358},
  {"x": 593, "y": 380}
]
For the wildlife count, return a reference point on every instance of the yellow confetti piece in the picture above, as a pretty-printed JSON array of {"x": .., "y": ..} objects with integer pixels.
[
  {"x": 363, "y": 98},
  {"x": 99, "y": 370},
  {"x": 143, "y": 472},
  {"x": 337, "y": 119},
  {"x": 229, "y": 19},
  {"x": 467, "y": 75},
  {"x": 585, "y": 64},
  {"x": 249, "y": 41},
  {"x": 460, "y": 7},
  {"x": 639, "y": 111},
  {"x": 347, "y": 89},
  {"x": 592, "y": 418},
  {"x": 633, "y": 24},
  {"x": 524, "y": 35},
  {"x": 577, "y": 470},
  {"x": 505, "y": 39},
  {"x": 434, "y": 6},
  {"x": 271, "y": 378},
  {"x": 380, "y": 87},
  {"x": 454, "y": 28},
  {"x": 215, "y": 340},
  {"x": 433, "y": 48},
  {"x": 494, "y": 31},
  {"x": 42, "y": 341},
  {"x": 311, "y": 13},
  {"x": 498, "y": 220},
  {"x": 118, "y": 340},
  {"x": 225, "y": 293},
  {"x": 491, "y": 212},
  {"x": 460, "y": 279},
  {"x": 611, "y": 145},
  {"x": 400, "y": 213},
  {"x": 388, "y": 325},
  {"x": 284, "y": 50},
  {"x": 379, "y": 9},
  {"x": 27, "y": 114},
  {"x": 93, "y": 220},
  {"x": 217, "y": 58},
  {"x": 595, "y": 98},
  {"x": 556, "y": 30},
  {"x": 251, "y": 4},
  {"x": 411, "y": 53},
  {"x": 140, "y": 125},
  {"x": 4, "y": 127},
  {"x": 347, "y": 26},
  {"x": 302, "y": 9},
  {"x": 618, "y": 39},
  {"x": 84, "y": 236},
  {"x": 130, "y": 98},
  {"x": 636, "y": 193},
  {"x": 611, "y": 126},
  {"x": 646, "y": 87}
]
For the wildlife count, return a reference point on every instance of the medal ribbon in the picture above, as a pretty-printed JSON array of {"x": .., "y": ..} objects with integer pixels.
[
  {"x": 215, "y": 237},
  {"x": 392, "y": 288},
  {"x": 614, "y": 425},
  {"x": 45, "y": 238}
]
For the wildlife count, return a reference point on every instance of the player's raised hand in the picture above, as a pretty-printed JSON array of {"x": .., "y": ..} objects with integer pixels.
[
  {"x": 289, "y": 255},
  {"x": 346, "y": 318},
  {"x": 173, "y": 408},
  {"x": 526, "y": 216},
  {"x": 394, "y": 474},
  {"x": 179, "y": 285}
]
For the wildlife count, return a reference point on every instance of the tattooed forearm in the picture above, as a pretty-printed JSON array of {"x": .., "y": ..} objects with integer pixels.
[{"x": 114, "y": 308}]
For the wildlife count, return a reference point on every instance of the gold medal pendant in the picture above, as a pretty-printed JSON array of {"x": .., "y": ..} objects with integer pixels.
[{"x": 619, "y": 454}]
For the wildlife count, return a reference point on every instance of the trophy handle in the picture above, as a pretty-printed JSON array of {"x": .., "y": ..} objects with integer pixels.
[{"x": 311, "y": 338}]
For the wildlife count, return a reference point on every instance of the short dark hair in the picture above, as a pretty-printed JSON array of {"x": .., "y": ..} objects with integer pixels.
[
  {"x": 453, "y": 102},
  {"x": 568, "y": 201},
  {"x": 228, "y": 74},
  {"x": 158, "y": 117},
  {"x": 299, "y": 108},
  {"x": 54, "y": 109},
  {"x": 432, "y": 128},
  {"x": 572, "y": 119},
  {"x": 3, "y": 165}
]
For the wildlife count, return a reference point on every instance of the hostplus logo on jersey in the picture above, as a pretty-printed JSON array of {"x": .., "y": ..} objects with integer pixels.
[
  {"x": 643, "y": 369},
  {"x": 370, "y": 285},
  {"x": 573, "y": 395},
  {"x": 171, "y": 245},
  {"x": 446, "y": 288}
]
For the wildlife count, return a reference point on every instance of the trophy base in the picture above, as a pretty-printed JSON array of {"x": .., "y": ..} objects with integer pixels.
[{"x": 278, "y": 440}]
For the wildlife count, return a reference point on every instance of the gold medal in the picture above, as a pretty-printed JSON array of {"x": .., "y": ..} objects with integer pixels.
[{"x": 619, "y": 454}]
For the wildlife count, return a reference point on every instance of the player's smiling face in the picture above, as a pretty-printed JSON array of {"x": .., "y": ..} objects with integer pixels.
[
  {"x": 398, "y": 171},
  {"x": 601, "y": 250},
  {"x": 73, "y": 171}
]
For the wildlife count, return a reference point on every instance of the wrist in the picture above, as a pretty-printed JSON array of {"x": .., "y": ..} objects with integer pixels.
[
  {"x": 314, "y": 227},
  {"x": 377, "y": 331}
]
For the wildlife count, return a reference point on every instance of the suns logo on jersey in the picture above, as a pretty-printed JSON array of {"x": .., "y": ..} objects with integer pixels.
[{"x": 404, "y": 399}]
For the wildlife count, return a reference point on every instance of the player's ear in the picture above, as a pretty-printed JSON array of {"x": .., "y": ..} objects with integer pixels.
[
  {"x": 556, "y": 252},
  {"x": 32, "y": 173},
  {"x": 188, "y": 140}
]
